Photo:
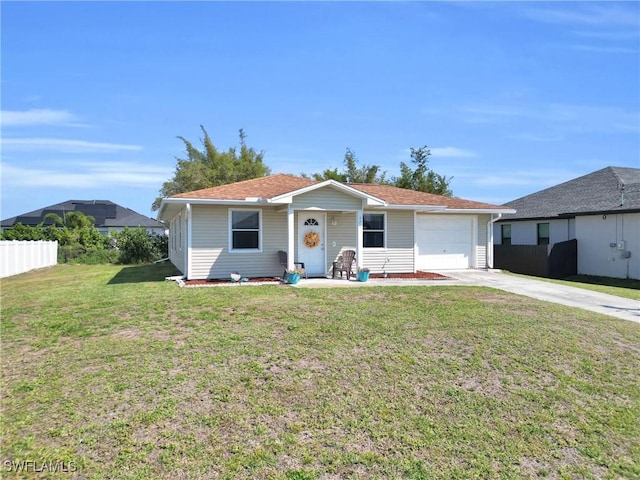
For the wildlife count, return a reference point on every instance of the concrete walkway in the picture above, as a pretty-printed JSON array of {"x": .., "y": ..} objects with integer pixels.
[{"x": 619, "y": 307}]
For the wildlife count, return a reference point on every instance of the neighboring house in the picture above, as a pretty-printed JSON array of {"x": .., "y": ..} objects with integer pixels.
[
  {"x": 108, "y": 215},
  {"x": 241, "y": 226},
  {"x": 600, "y": 210}
]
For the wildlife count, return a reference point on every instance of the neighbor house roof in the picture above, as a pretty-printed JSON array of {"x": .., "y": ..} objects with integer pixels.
[
  {"x": 276, "y": 187},
  {"x": 107, "y": 215},
  {"x": 610, "y": 190}
]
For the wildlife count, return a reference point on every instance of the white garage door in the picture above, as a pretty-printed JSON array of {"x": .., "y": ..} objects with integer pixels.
[{"x": 444, "y": 242}]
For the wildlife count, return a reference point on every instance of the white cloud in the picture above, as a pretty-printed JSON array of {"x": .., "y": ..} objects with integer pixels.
[
  {"x": 535, "y": 178},
  {"x": 12, "y": 118},
  {"x": 603, "y": 49},
  {"x": 86, "y": 175},
  {"x": 451, "y": 152},
  {"x": 595, "y": 16},
  {"x": 532, "y": 137},
  {"x": 566, "y": 117},
  {"x": 611, "y": 36},
  {"x": 64, "y": 145}
]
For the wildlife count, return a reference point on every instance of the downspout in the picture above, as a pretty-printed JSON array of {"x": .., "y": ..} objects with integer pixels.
[
  {"x": 490, "y": 239},
  {"x": 188, "y": 242}
]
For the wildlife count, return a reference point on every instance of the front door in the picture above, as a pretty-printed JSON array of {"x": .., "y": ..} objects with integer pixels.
[{"x": 311, "y": 242}]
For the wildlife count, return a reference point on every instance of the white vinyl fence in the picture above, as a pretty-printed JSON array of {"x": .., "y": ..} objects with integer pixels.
[{"x": 21, "y": 256}]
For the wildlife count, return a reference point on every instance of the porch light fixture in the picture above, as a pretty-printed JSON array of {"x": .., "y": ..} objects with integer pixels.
[{"x": 334, "y": 222}]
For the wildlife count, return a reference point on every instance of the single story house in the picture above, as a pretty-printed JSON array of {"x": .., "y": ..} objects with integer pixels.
[
  {"x": 600, "y": 210},
  {"x": 109, "y": 216},
  {"x": 241, "y": 227}
]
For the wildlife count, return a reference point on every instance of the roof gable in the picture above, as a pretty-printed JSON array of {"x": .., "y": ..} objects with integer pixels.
[
  {"x": 610, "y": 189},
  {"x": 342, "y": 187}
]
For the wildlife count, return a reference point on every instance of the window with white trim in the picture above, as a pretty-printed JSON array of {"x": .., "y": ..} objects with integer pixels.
[
  {"x": 245, "y": 228},
  {"x": 373, "y": 228}
]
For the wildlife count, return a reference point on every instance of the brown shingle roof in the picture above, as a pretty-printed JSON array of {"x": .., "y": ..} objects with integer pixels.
[
  {"x": 279, "y": 184},
  {"x": 402, "y": 196},
  {"x": 262, "y": 187}
]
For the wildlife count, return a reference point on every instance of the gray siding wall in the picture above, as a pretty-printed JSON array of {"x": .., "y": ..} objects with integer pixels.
[
  {"x": 525, "y": 232},
  {"x": 399, "y": 251},
  {"x": 210, "y": 253},
  {"x": 327, "y": 199}
]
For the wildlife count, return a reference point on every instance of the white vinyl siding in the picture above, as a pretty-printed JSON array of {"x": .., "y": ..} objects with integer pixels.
[
  {"x": 397, "y": 257},
  {"x": 177, "y": 241},
  {"x": 210, "y": 253},
  {"x": 481, "y": 242},
  {"x": 341, "y": 236}
]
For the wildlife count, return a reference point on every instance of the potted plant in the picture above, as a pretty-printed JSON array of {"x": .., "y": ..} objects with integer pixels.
[
  {"x": 363, "y": 274},
  {"x": 293, "y": 276}
]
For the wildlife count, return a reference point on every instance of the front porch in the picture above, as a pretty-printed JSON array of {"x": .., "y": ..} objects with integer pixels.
[{"x": 318, "y": 238}]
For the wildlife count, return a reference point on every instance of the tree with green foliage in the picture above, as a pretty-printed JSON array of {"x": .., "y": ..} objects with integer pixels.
[
  {"x": 211, "y": 167},
  {"x": 361, "y": 174},
  {"x": 78, "y": 220},
  {"x": 23, "y": 232},
  {"x": 422, "y": 178},
  {"x": 353, "y": 172}
]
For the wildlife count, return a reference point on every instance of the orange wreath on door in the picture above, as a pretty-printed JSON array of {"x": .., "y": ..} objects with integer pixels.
[{"x": 312, "y": 239}]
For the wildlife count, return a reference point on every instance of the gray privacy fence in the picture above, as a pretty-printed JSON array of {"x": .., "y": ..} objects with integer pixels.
[
  {"x": 552, "y": 261},
  {"x": 18, "y": 256}
]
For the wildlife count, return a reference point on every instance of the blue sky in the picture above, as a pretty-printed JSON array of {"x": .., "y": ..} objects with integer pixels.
[{"x": 510, "y": 97}]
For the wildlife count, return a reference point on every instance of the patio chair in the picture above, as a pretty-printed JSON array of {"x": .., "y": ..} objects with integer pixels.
[
  {"x": 284, "y": 261},
  {"x": 345, "y": 263}
]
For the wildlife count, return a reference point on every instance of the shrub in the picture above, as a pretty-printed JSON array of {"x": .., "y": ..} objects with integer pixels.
[
  {"x": 97, "y": 256},
  {"x": 68, "y": 253},
  {"x": 23, "y": 232},
  {"x": 136, "y": 246},
  {"x": 161, "y": 244}
]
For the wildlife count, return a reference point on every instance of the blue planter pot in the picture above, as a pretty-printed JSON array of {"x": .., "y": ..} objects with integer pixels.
[
  {"x": 363, "y": 276},
  {"x": 292, "y": 278}
]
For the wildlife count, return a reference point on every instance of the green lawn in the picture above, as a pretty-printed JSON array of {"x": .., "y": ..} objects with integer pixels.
[{"x": 122, "y": 375}]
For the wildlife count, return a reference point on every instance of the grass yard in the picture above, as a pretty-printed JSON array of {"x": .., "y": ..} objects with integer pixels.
[{"x": 114, "y": 373}]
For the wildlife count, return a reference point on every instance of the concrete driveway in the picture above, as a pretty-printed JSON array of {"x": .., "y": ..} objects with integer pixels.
[
  {"x": 619, "y": 307},
  {"x": 611, "y": 305}
]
